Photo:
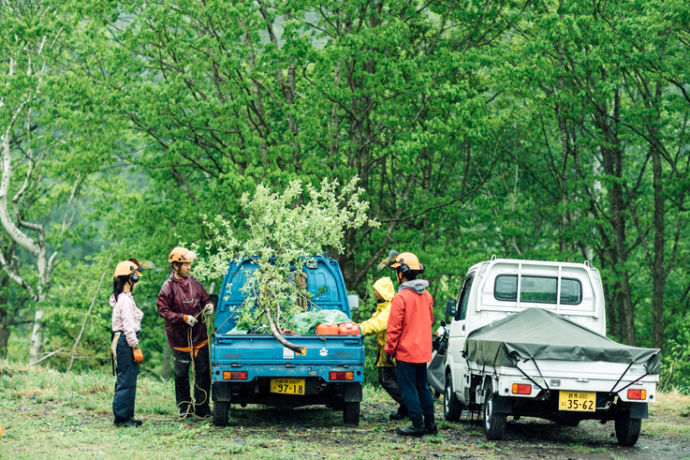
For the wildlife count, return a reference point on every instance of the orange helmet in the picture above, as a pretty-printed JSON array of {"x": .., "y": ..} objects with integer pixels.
[
  {"x": 181, "y": 255},
  {"x": 406, "y": 262},
  {"x": 126, "y": 268}
]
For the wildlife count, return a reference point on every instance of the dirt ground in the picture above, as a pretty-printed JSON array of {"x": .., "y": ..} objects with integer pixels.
[{"x": 666, "y": 435}]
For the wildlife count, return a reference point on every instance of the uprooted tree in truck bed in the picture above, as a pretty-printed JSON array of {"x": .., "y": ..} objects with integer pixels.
[{"x": 280, "y": 232}]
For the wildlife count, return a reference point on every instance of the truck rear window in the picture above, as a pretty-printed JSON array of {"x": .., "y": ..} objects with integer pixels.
[{"x": 538, "y": 289}]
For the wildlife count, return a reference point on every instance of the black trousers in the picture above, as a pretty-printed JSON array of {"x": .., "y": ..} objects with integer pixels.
[
  {"x": 126, "y": 384},
  {"x": 388, "y": 379},
  {"x": 182, "y": 360},
  {"x": 415, "y": 390}
]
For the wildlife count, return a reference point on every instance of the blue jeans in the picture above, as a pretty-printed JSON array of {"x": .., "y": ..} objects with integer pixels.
[{"x": 415, "y": 392}]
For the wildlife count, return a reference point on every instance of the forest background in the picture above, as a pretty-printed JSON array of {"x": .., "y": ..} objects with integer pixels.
[{"x": 548, "y": 130}]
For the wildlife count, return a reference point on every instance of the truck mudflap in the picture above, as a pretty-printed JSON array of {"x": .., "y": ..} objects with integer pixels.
[
  {"x": 221, "y": 391},
  {"x": 639, "y": 410},
  {"x": 352, "y": 392},
  {"x": 503, "y": 405}
]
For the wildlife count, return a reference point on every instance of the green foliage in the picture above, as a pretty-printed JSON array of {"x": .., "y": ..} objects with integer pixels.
[
  {"x": 505, "y": 128},
  {"x": 676, "y": 358},
  {"x": 280, "y": 231}
]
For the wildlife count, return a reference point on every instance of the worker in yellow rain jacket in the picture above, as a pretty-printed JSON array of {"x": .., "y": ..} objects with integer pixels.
[{"x": 384, "y": 292}]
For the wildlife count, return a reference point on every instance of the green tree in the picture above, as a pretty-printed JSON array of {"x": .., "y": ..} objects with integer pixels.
[
  {"x": 47, "y": 146},
  {"x": 280, "y": 232}
]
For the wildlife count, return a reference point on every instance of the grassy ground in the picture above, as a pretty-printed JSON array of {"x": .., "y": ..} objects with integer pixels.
[{"x": 46, "y": 414}]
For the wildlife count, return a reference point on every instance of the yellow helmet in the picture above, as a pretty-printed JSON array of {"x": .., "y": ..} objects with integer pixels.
[
  {"x": 127, "y": 267},
  {"x": 406, "y": 262},
  {"x": 181, "y": 255}
]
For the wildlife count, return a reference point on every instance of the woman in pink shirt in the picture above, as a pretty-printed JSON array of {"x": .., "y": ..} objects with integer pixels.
[{"x": 125, "y": 345}]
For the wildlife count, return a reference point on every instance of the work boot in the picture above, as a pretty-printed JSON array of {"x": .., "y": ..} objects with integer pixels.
[
  {"x": 416, "y": 429},
  {"x": 400, "y": 414},
  {"x": 137, "y": 421},
  {"x": 203, "y": 412},
  {"x": 125, "y": 422},
  {"x": 430, "y": 425}
]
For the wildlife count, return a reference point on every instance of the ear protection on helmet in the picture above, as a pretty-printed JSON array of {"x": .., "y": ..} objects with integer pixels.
[
  {"x": 405, "y": 270},
  {"x": 133, "y": 276}
]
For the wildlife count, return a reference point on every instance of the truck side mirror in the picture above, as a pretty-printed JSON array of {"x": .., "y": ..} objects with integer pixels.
[
  {"x": 450, "y": 308},
  {"x": 353, "y": 300}
]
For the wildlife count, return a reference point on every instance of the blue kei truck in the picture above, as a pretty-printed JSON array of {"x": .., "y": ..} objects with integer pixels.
[{"x": 254, "y": 368}]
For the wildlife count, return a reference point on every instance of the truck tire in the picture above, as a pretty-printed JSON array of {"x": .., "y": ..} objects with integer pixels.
[
  {"x": 494, "y": 423},
  {"x": 351, "y": 412},
  {"x": 452, "y": 408},
  {"x": 220, "y": 413},
  {"x": 627, "y": 429}
]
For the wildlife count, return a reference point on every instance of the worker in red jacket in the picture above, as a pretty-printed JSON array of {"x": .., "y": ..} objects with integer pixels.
[{"x": 409, "y": 342}]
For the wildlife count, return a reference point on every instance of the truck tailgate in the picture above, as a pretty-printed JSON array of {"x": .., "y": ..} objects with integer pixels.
[{"x": 264, "y": 356}]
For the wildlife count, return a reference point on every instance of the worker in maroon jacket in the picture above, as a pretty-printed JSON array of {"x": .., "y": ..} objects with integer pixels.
[
  {"x": 181, "y": 302},
  {"x": 409, "y": 342}
]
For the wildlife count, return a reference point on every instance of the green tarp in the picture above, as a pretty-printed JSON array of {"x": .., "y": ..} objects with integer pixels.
[{"x": 544, "y": 335}]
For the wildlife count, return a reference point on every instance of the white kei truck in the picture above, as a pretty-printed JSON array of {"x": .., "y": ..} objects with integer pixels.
[{"x": 528, "y": 338}]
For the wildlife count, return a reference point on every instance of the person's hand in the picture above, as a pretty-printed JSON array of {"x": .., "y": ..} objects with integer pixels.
[
  {"x": 208, "y": 309},
  {"x": 189, "y": 319},
  {"x": 138, "y": 355}
]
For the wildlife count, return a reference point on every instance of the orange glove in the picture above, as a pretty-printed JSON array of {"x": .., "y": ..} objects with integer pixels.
[{"x": 138, "y": 355}]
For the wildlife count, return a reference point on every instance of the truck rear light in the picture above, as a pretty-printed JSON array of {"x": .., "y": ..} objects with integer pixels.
[
  {"x": 341, "y": 375},
  {"x": 235, "y": 375},
  {"x": 637, "y": 394},
  {"x": 522, "y": 389}
]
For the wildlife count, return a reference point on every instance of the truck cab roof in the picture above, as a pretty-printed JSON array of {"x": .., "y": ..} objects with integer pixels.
[{"x": 501, "y": 287}]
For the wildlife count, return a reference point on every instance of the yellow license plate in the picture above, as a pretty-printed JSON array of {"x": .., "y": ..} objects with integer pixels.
[
  {"x": 288, "y": 386},
  {"x": 577, "y": 402}
]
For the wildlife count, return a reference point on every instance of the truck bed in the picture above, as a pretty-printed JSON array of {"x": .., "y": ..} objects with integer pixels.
[
  {"x": 264, "y": 356},
  {"x": 537, "y": 334}
]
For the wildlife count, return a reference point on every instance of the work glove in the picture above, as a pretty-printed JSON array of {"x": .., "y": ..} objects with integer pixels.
[
  {"x": 189, "y": 319},
  {"x": 208, "y": 309},
  {"x": 389, "y": 358},
  {"x": 138, "y": 355}
]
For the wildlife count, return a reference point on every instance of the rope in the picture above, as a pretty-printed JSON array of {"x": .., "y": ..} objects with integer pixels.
[{"x": 191, "y": 403}]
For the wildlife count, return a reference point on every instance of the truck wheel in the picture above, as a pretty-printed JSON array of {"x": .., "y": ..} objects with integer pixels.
[
  {"x": 494, "y": 424},
  {"x": 351, "y": 413},
  {"x": 452, "y": 408},
  {"x": 220, "y": 413},
  {"x": 627, "y": 429}
]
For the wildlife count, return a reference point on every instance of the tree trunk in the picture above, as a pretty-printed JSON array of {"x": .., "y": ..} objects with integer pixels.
[
  {"x": 4, "y": 328},
  {"x": 36, "y": 338},
  {"x": 658, "y": 275}
]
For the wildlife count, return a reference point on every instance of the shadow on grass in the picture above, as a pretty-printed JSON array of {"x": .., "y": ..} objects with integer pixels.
[{"x": 258, "y": 416}]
